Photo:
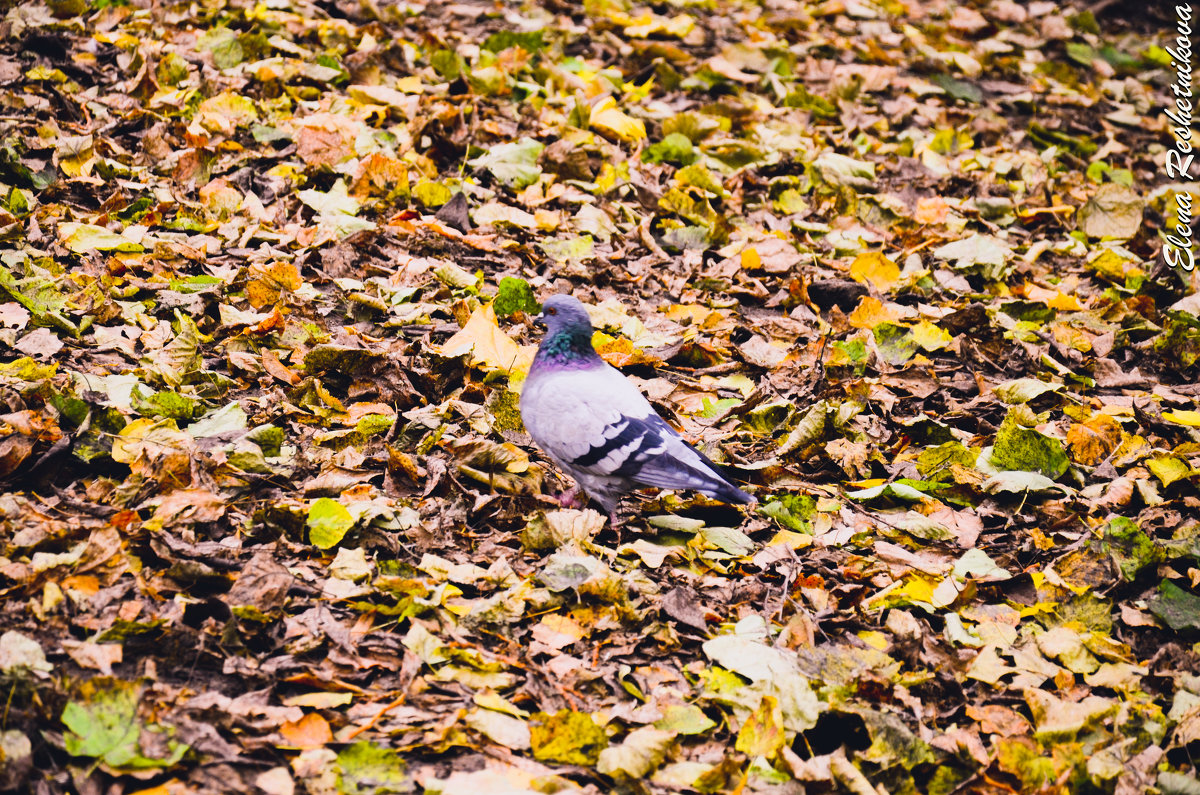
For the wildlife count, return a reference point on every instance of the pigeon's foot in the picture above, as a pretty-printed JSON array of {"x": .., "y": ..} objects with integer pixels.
[
  {"x": 570, "y": 499},
  {"x": 614, "y": 521}
]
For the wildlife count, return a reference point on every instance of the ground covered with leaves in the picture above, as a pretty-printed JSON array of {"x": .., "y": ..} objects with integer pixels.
[{"x": 270, "y": 521}]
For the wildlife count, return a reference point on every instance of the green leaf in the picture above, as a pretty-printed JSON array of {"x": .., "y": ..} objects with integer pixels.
[
  {"x": 793, "y": 511},
  {"x": 958, "y": 89},
  {"x": 431, "y": 194},
  {"x": 728, "y": 539},
  {"x": 895, "y": 342},
  {"x": 897, "y": 491},
  {"x": 571, "y": 249},
  {"x": 1019, "y": 482},
  {"x": 934, "y": 460},
  {"x": 1171, "y": 783},
  {"x": 530, "y": 41},
  {"x": 367, "y": 769},
  {"x": 103, "y": 723},
  {"x": 676, "y": 149},
  {"x": 514, "y": 165},
  {"x": 1022, "y": 448},
  {"x": 328, "y": 522},
  {"x": 568, "y": 737},
  {"x": 1178, "y": 609},
  {"x": 41, "y": 296},
  {"x": 336, "y": 201},
  {"x": 684, "y": 719},
  {"x": 515, "y": 295},
  {"x": 120, "y": 631},
  {"x": 224, "y": 421},
  {"x": 1130, "y": 547},
  {"x": 982, "y": 254},
  {"x": 448, "y": 64},
  {"x": 1023, "y": 390}
]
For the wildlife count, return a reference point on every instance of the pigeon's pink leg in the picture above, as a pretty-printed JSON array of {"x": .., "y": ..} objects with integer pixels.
[
  {"x": 614, "y": 521},
  {"x": 570, "y": 498}
]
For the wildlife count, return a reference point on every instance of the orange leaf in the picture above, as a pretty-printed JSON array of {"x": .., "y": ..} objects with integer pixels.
[
  {"x": 277, "y": 369},
  {"x": 311, "y": 731},
  {"x": 1092, "y": 441}
]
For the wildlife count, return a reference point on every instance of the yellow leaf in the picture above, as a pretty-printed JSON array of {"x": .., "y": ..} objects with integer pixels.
[
  {"x": 1067, "y": 303},
  {"x": 1169, "y": 468},
  {"x": 876, "y": 640},
  {"x": 172, "y": 787},
  {"x": 269, "y": 281},
  {"x": 873, "y": 267},
  {"x": 488, "y": 345},
  {"x": 557, "y": 631},
  {"x": 319, "y": 699},
  {"x": 762, "y": 734},
  {"x": 225, "y": 112},
  {"x": 1183, "y": 417},
  {"x": 647, "y": 24},
  {"x": 607, "y": 120},
  {"x": 738, "y": 382},
  {"x": 620, "y": 351},
  {"x": 869, "y": 483},
  {"x": 918, "y": 589},
  {"x": 750, "y": 259},
  {"x": 871, "y": 312},
  {"x": 930, "y": 337}
]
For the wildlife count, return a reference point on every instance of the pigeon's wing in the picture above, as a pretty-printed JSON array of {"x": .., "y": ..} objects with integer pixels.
[{"x": 597, "y": 422}]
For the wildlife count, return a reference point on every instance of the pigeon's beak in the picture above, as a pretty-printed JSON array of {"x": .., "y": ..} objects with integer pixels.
[{"x": 539, "y": 319}]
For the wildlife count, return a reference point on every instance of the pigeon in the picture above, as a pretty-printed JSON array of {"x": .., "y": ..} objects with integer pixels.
[{"x": 598, "y": 428}]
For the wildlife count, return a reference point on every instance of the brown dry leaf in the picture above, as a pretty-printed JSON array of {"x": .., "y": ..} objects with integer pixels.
[
  {"x": 98, "y": 656},
  {"x": 557, "y": 631},
  {"x": 155, "y": 448},
  {"x": 41, "y": 343},
  {"x": 772, "y": 255},
  {"x": 262, "y": 582},
  {"x": 187, "y": 506},
  {"x": 1092, "y": 441},
  {"x": 276, "y": 781},
  {"x": 998, "y": 719},
  {"x": 326, "y": 139}
]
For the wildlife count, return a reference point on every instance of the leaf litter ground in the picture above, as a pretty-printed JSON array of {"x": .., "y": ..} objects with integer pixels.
[{"x": 271, "y": 522}]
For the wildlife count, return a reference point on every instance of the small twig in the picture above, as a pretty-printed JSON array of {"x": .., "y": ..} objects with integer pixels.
[{"x": 374, "y": 720}]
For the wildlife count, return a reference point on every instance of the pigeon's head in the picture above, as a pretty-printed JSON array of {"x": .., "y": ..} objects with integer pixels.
[{"x": 563, "y": 314}]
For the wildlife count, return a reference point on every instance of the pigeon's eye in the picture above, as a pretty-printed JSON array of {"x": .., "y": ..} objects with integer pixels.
[{"x": 551, "y": 311}]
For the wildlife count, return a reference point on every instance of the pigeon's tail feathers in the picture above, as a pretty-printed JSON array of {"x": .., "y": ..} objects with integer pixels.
[
  {"x": 727, "y": 492},
  {"x": 698, "y": 474}
]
